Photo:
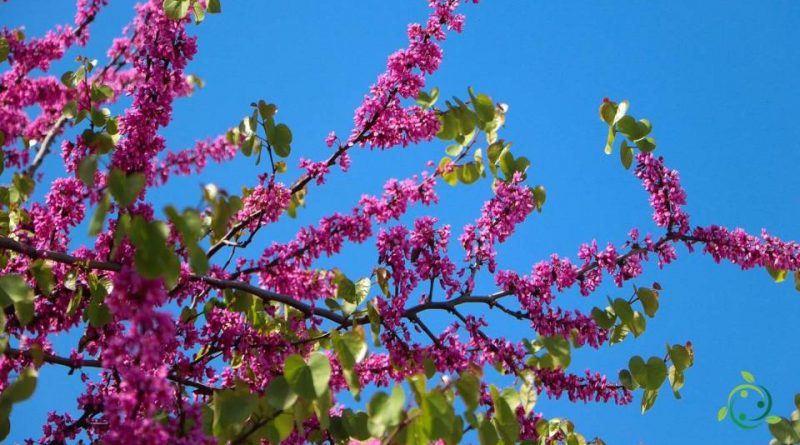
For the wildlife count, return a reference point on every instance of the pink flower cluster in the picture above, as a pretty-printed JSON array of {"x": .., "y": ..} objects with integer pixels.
[
  {"x": 163, "y": 50},
  {"x": 286, "y": 267},
  {"x": 382, "y": 121},
  {"x": 21, "y": 91},
  {"x": 748, "y": 251},
  {"x": 184, "y": 162},
  {"x": 269, "y": 200},
  {"x": 512, "y": 203},
  {"x": 593, "y": 387},
  {"x": 666, "y": 194}
]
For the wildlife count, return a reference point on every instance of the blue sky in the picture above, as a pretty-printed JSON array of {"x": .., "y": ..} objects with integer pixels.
[{"x": 718, "y": 79}]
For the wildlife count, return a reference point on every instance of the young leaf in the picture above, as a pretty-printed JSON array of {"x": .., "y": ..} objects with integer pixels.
[
  {"x": 125, "y": 188},
  {"x": 214, "y": 7},
  {"x": 176, "y": 9},
  {"x": 99, "y": 215}
]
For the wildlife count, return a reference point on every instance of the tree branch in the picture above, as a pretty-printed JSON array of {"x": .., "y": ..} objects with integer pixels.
[
  {"x": 44, "y": 149},
  {"x": 93, "y": 363}
]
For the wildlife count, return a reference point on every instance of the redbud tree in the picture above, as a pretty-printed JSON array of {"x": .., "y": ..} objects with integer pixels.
[{"x": 185, "y": 339}]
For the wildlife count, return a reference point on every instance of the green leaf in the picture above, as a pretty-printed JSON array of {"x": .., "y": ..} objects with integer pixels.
[
  {"x": 450, "y": 177},
  {"x": 638, "y": 324},
  {"x": 484, "y": 107},
  {"x": 374, "y": 323},
  {"x": 356, "y": 424},
  {"x": 454, "y": 150},
  {"x": 612, "y": 135},
  {"x": 676, "y": 380},
  {"x": 426, "y": 100},
  {"x": 558, "y": 352},
  {"x": 627, "y": 380},
  {"x": 487, "y": 434},
  {"x": 190, "y": 226},
  {"x": 506, "y": 163},
  {"x": 280, "y": 428},
  {"x": 528, "y": 394},
  {"x": 603, "y": 318},
  {"x": 540, "y": 195},
  {"x": 449, "y": 126},
  {"x": 4, "y": 49},
  {"x": 199, "y": 13},
  {"x": 623, "y": 310},
  {"x": 777, "y": 274},
  {"x": 626, "y": 155},
  {"x": 43, "y": 275},
  {"x": 176, "y": 9},
  {"x": 649, "y": 299},
  {"x": 22, "y": 389},
  {"x": 102, "y": 142},
  {"x": 438, "y": 417},
  {"x": 279, "y": 394},
  {"x": 619, "y": 333},
  {"x": 14, "y": 290},
  {"x": 102, "y": 93},
  {"x": 112, "y": 126},
  {"x": 722, "y": 413},
  {"x": 99, "y": 215},
  {"x": 99, "y": 116},
  {"x": 521, "y": 164},
  {"x": 310, "y": 380},
  {"x": 345, "y": 288},
  {"x": 505, "y": 419},
  {"x": 385, "y": 410},
  {"x": 607, "y": 112},
  {"x": 154, "y": 257},
  {"x": 783, "y": 431},
  {"x": 350, "y": 349},
  {"x": 362, "y": 288},
  {"x": 648, "y": 399},
  {"x": 650, "y": 375},
  {"x": 468, "y": 173},
  {"x": 5, "y": 427},
  {"x": 748, "y": 377},
  {"x": 320, "y": 371},
  {"x": 125, "y": 188},
  {"x": 646, "y": 145},
  {"x": 280, "y": 139},
  {"x": 224, "y": 209},
  {"x": 232, "y": 407},
  {"x": 86, "y": 170},
  {"x": 680, "y": 357},
  {"x": 630, "y": 128},
  {"x": 467, "y": 121},
  {"x": 23, "y": 184},
  {"x": 656, "y": 371},
  {"x": 97, "y": 312},
  {"x": 469, "y": 386},
  {"x": 621, "y": 111},
  {"x": 214, "y": 7}
]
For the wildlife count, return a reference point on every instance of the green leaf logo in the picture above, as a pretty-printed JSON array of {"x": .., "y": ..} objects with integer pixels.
[{"x": 739, "y": 400}]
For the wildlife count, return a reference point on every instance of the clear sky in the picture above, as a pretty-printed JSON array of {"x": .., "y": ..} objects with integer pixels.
[{"x": 718, "y": 79}]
